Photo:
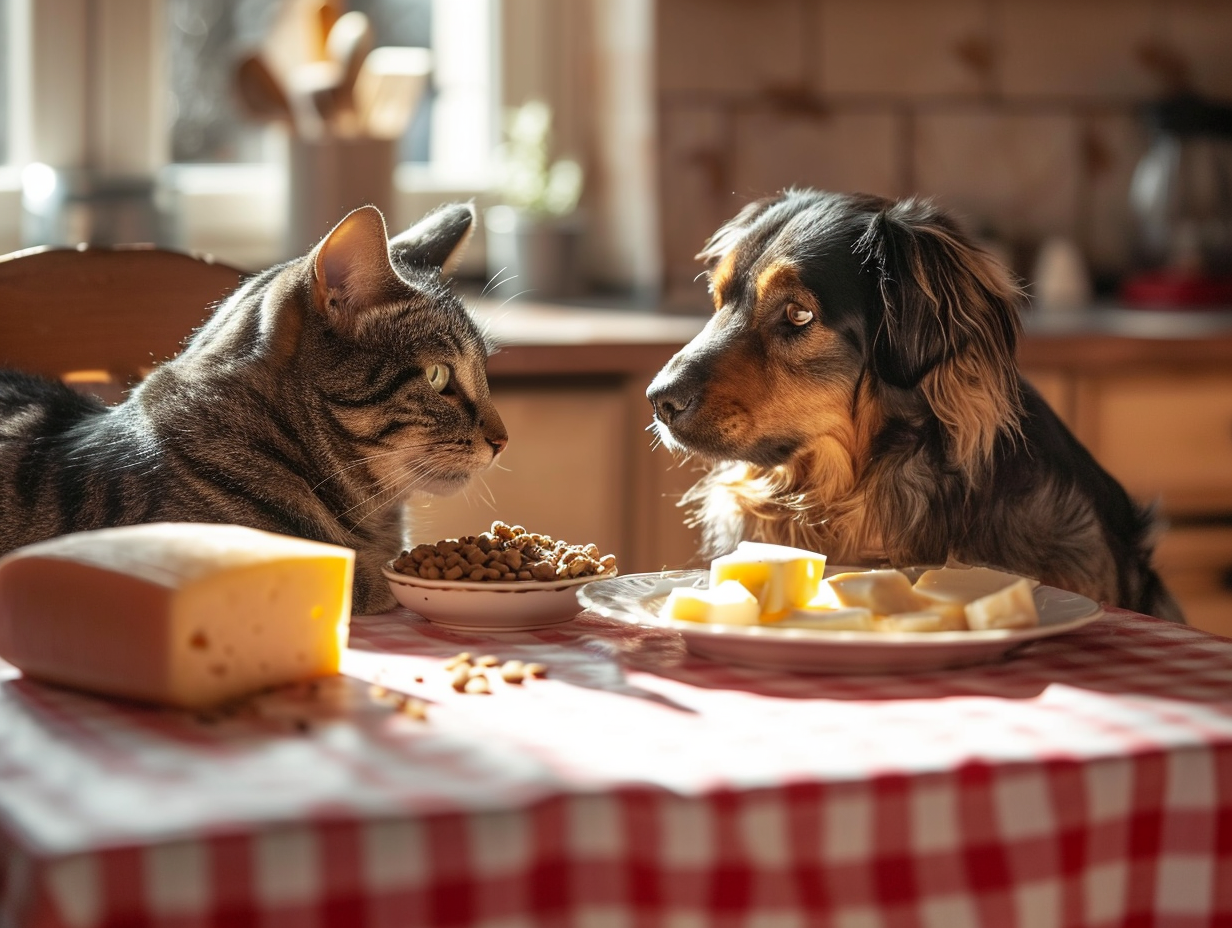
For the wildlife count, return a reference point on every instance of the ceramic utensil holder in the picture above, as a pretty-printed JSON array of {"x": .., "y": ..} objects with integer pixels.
[{"x": 331, "y": 176}]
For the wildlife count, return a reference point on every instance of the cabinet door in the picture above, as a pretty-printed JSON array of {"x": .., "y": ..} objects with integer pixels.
[
  {"x": 563, "y": 474},
  {"x": 1196, "y": 564},
  {"x": 1165, "y": 436},
  {"x": 1056, "y": 388}
]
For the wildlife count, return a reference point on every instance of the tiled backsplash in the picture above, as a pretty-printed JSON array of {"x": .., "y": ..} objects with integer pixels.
[{"x": 1019, "y": 115}]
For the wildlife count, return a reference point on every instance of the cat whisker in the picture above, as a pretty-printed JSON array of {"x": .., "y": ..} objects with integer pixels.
[
  {"x": 492, "y": 279},
  {"x": 510, "y": 299},
  {"x": 487, "y": 496},
  {"x": 368, "y": 458},
  {"x": 510, "y": 278}
]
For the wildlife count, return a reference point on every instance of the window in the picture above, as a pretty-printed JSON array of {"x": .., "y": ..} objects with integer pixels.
[{"x": 144, "y": 87}]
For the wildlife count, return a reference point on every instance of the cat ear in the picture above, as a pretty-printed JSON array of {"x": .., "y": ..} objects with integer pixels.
[
  {"x": 351, "y": 266},
  {"x": 436, "y": 241}
]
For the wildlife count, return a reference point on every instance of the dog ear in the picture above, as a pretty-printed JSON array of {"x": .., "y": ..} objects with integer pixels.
[{"x": 950, "y": 324}]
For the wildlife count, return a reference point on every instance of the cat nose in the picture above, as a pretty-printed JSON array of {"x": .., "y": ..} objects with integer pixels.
[{"x": 498, "y": 443}]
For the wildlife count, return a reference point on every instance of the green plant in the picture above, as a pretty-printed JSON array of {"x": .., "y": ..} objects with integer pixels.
[{"x": 529, "y": 181}]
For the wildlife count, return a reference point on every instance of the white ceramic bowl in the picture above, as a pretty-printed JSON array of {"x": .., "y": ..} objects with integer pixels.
[{"x": 489, "y": 606}]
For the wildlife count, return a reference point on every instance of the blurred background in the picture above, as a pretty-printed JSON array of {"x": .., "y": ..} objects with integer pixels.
[{"x": 1027, "y": 117}]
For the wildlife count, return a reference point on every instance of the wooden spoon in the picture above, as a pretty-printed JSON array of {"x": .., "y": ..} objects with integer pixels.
[
  {"x": 261, "y": 93},
  {"x": 348, "y": 45},
  {"x": 390, "y": 85}
]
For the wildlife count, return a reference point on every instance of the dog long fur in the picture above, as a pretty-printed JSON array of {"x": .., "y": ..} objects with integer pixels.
[{"x": 856, "y": 393}]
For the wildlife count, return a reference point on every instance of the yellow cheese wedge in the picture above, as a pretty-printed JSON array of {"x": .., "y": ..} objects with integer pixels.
[
  {"x": 181, "y": 614},
  {"x": 1010, "y": 607},
  {"x": 923, "y": 620},
  {"x": 881, "y": 591},
  {"x": 831, "y": 620},
  {"x": 729, "y": 603},
  {"x": 781, "y": 577}
]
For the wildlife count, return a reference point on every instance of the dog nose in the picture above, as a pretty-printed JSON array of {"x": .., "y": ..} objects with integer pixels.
[{"x": 668, "y": 404}]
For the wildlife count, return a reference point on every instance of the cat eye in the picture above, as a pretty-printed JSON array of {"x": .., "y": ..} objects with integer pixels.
[
  {"x": 438, "y": 376},
  {"x": 798, "y": 315}
]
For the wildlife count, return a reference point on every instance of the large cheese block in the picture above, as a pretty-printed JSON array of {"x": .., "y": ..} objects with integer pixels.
[
  {"x": 181, "y": 614},
  {"x": 781, "y": 577}
]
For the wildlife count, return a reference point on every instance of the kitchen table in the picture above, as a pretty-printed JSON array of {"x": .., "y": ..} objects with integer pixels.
[{"x": 1084, "y": 781}]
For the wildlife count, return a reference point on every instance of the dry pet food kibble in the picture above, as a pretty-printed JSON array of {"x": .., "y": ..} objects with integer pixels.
[{"x": 505, "y": 553}]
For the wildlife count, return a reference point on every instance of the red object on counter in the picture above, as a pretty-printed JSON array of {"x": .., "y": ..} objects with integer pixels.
[{"x": 1177, "y": 290}]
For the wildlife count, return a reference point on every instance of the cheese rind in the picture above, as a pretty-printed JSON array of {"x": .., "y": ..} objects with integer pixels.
[
  {"x": 883, "y": 592},
  {"x": 781, "y": 577},
  {"x": 728, "y": 603},
  {"x": 181, "y": 614}
]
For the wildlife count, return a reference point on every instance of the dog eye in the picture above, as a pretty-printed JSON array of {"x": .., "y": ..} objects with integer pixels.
[
  {"x": 438, "y": 376},
  {"x": 798, "y": 315}
]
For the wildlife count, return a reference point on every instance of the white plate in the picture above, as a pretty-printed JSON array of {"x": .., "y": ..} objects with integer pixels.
[
  {"x": 638, "y": 598},
  {"x": 488, "y": 606}
]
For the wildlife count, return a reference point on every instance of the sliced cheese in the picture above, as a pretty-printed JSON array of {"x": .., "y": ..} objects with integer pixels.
[
  {"x": 924, "y": 620},
  {"x": 728, "y": 603},
  {"x": 962, "y": 584},
  {"x": 832, "y": 620},
  {"x": 880, "y": 591},
  {"x": 181, "y": 614},
  {"x": 1010, "y": 607},
  {"x": 781, "y": 577}
]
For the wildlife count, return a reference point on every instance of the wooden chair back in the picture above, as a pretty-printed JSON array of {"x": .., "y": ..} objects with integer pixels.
[{"x": 103, "y": 315}]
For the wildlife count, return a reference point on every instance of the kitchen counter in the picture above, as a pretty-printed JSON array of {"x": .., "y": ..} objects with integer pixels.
[{"x": 608, "y": 340}]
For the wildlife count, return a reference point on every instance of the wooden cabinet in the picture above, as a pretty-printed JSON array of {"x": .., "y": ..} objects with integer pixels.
[
  {"x": 1164, "y": 429},
  {"x": 1196, "y": 563},
  {"x": 1163, "y": 435}
]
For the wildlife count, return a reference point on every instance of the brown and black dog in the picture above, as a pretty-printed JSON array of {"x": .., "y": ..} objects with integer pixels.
[{"x": 856, "y": 393}]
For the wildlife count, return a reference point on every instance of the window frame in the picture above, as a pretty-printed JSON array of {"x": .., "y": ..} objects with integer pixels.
[{"x": 87, "y": 87}]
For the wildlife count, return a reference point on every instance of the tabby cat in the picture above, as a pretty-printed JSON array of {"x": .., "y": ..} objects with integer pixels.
[{"x": 311, "y": 403}]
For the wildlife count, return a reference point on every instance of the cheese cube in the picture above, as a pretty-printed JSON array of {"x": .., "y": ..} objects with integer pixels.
[
  {"x": 962, "y": 584},
  {"x": 924, "y": 620},
  {"x": 1010, "y": 607},
  {"x": 831, "y": 620},
  {"x": 729, "y": 603},
  {"x": 880, "y": 591},
  {"x": 781, "y": 577},
  {"x": 181, "y": 614}
]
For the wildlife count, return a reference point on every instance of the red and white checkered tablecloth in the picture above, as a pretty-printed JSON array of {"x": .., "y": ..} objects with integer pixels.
[{"x": 1086, "y": 781}]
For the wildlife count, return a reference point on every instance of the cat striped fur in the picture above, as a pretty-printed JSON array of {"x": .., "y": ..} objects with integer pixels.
[{"x": 312, "y": 402}]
